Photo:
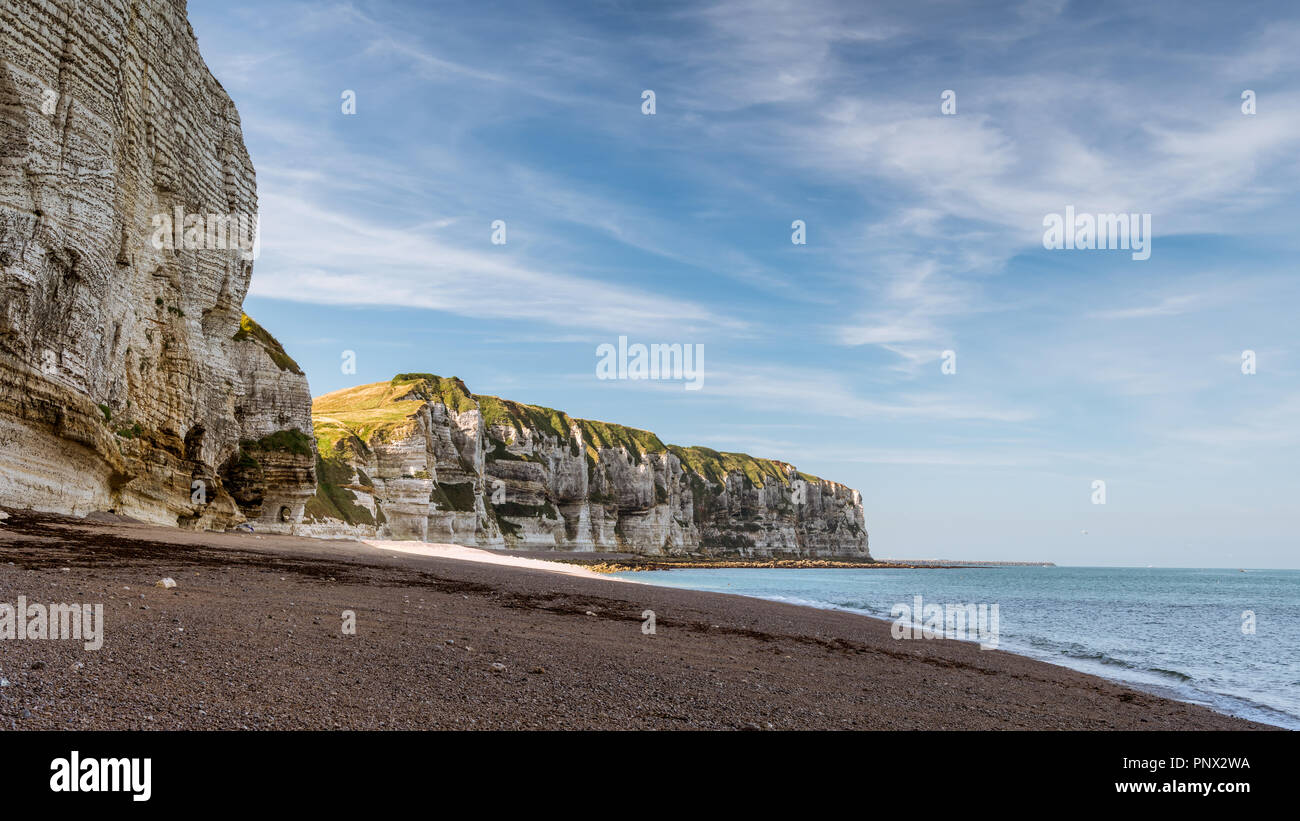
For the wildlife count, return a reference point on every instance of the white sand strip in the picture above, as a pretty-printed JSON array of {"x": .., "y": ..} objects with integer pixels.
[{"x": 473, "y": 554}]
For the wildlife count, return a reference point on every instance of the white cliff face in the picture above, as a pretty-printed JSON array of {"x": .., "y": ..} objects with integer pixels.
[
  {"x": 454, "y": 467},
  {"x": 122, "y": 383}
]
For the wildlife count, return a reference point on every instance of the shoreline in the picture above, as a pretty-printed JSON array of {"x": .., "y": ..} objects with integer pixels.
[
  {"x": 648, "y": 564},
  {"x": 250, "y": 639},
  {"x": 1011, "y": 645},
  {"x": 623, "y": 562}
]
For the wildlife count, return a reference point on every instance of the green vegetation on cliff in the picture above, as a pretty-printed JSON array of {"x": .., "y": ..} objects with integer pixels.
[
  {"x": 384, "y": 411},
  {"x": 250, "y": 330},
  {"x": 545, "y": 510},
  {"x": 456, "y": 496},
  {"x": 704, "y": 462},
  {"x": 426, "y": 387},
  {"x": 284, "y": 441},
  {"x": 715, "y": 465},
  {"x": 605, "y": 435},
  {"x": 335, "y": 497},
  {"x": 380, "y": 412},
  {"x": 335, "y": 438},
  {"x": 504, "y": 412},
  {"x": 559, "y": 425}
]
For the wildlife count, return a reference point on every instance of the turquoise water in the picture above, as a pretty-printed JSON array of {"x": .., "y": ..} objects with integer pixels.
[{"x": 1174, "y": 632}]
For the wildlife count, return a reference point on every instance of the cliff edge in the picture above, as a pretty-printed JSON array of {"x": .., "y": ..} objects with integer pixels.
[
  {"x": 129, "y": 378},
  {"x": 420, "y": 457}
]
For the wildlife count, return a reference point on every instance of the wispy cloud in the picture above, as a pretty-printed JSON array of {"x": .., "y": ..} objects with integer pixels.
[
  {"x": 1169, "y": 306},
  {"x": 1274, "y": 425},
  {"x": 320, "y": 255},
  {"x": 826, "y": 393}
]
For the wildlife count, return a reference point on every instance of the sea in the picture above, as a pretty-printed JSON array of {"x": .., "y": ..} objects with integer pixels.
[{"x": 1224, "y": 638}]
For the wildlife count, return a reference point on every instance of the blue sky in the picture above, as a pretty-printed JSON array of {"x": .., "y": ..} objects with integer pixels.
[{"x": 924, "y": 234}]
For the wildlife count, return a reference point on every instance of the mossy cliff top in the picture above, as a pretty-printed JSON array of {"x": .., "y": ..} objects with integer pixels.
[
  {"x": 251, "y": 331},
  {"x": 357, "y": 416},
  {"x": 383, "y": 411}
]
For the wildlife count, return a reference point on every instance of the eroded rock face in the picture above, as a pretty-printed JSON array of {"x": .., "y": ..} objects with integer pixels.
[
  {"x": 123, "y": 385},
  {"x": 422, "y": 458}
]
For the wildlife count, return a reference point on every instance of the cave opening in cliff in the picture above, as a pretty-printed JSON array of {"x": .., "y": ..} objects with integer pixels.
[{"x": 194, "y": 443}]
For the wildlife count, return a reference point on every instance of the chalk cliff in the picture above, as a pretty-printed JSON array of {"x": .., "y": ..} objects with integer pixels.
[
  {"x": 420, "y": 457},
  {"x": 129, "y": 378}
]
